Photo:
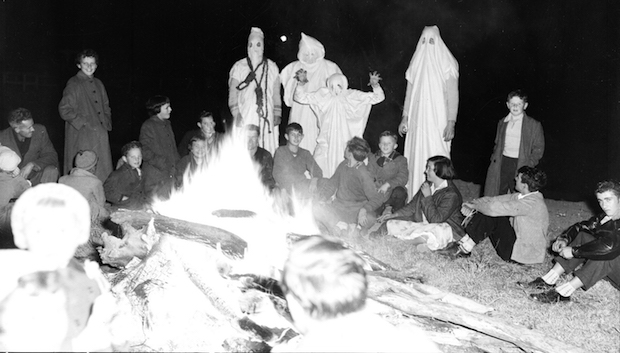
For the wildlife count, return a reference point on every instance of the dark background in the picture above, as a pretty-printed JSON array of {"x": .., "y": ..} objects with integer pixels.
[{"x": 565, "y": 54}]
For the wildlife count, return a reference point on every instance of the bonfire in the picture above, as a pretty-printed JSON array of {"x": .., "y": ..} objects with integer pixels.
[{"x": 200, "y": 272}]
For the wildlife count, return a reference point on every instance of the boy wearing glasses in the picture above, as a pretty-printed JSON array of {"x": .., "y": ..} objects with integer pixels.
[{"x": 519, "y": 142}]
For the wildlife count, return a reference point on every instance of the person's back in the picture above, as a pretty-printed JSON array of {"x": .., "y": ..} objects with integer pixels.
[{"x": 83, "y": 179}]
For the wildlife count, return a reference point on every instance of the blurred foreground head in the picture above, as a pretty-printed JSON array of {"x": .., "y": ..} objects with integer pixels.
[
  {"x": 325, "y": 278},
  {"x": 51, "y": 220}
]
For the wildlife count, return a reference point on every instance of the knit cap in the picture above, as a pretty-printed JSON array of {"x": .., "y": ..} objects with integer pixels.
[
  {"x": 85, "y": 159},
  {"x": 9, "y": 160}
]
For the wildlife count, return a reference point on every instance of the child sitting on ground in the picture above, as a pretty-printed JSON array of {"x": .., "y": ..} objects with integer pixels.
[
  {"x": 353, "y": 191},
  {"x": 390, "y": 172},
  {"x": 11, "y": 183},
  {"x": 294, "y": 167},
  {"x": 83, "y": 179},
  {"x": 194, "y": 160},
  {"x": 124, "y": 188}
]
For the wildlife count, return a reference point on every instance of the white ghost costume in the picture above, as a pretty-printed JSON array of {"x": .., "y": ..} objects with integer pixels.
[
  {"x": 343, "y": 114},
  {"x": 311, "y": 57},
  {"x": 431, "y": 101},
  {"x": 255, "y": 99}
]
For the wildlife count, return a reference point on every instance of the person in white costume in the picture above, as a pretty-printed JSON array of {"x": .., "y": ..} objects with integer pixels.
[
  {"x": 254, "y": 92},
  {"x": 343, "y": 114},
  {"x": 431, "y": 104},
  {"x": 311, "y": 57}
]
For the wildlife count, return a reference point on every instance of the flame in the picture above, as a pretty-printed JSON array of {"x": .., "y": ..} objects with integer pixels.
[{"x": 229, "y": 179}]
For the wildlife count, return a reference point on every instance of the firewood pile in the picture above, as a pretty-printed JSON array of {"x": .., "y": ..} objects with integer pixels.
[{"x": 189, "y": 291}]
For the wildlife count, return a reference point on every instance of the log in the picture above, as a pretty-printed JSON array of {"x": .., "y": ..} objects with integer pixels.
[
  {"x": 231, "y": 245},
  {"x": 524, "y": 338}
]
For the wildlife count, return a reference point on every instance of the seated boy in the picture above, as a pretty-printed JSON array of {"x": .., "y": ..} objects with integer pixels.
[
  {"x": 433, "y": 215},
  {"x": 194, "y": 160},
  {"x": 124, "y": 188},
  {"x": 206, "y": 124},
  {"x": 294, "y": 167},
  {"x": 12, "y": 184},
  {"x": 83, "y": 179},
  {"x": 390, "y": 171},
  {"x": 350, "y": 193},
  {"x": 326, "y": 288},
  {"x": 594, "y": 243},
  {"x": 48, "y": 300},
  {"x": 516, "y": 223},
  {"x": 260, "y": 156}
]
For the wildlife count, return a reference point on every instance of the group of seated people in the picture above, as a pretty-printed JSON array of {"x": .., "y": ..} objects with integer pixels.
[{"x": 367, "y": 190}]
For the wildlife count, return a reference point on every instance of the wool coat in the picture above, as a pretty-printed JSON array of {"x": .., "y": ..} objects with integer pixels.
[
  {"x": 86, "y": 111},
  {"x": 531, "y": 151},
  {"x": 41, "y": 151}
]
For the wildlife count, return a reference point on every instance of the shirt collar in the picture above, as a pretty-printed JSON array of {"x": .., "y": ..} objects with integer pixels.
[
  {"x": 520, "y": 196},
  {"x": 443, "y": 185},
  {"x": 511, "y": 117}
]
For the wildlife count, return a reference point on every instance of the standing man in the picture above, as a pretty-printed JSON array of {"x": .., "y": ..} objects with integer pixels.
[
  {"x": 86, "y": 111},
  {"x": 33, "y": 145},
  {"x": 519, "y": 142}
]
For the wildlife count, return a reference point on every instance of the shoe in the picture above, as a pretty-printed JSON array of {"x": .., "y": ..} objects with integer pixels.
[
  {"x": 537, "y": 284},
  {"x": 550, "y": 296},
  {"x": 454, "y": 251},
  {"x": 451, "y": 248}
]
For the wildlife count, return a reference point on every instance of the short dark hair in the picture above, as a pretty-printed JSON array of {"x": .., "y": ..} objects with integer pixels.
[
  {"x": 18, "y": 115},
  {"x": 154, "y": 104},
  {"x": 359, "y": 148},
  {"x": 129, "y": 146},
  {"x": 608, "y": 185},
  {"x": 205, "y": 114},
  {"x": 534, "y": 178},
  {"x": 294, "y": 127},
  {"x": 517, "y": 93},
  {"x": 390, "y": 134},
  {"x": 87, "y": 53},
  {"x": 444, "y": 168}
]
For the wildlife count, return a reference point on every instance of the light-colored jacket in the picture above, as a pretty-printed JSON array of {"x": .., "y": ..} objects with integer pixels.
[{"x": 530, "y": 219}]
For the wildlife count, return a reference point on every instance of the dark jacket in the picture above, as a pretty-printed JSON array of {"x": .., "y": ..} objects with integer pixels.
[
  {"x": 394, "y": 170},
  {"x": 443, "y": 206},
  {"x": 265, "y": 160},
  {"x": 531, "y": 151},
  {"x": 41, "y": 151},
  {"x": 125, "y": 181},
  {"x": 159, "y": 151},
  {"x": 606, "y": 246}
]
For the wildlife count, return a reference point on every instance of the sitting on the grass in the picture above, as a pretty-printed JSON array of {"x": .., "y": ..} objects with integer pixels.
[
  {"x": 594, "y": 243},
  {"x": 294, "y": 167},
  {"x": 194, "y": 160},
  {"x": 83, "y": 179},
  {"x": 516, "y": 224},
  {"x": 433, "y": 216},
  {"x": 326, "y": 289},
  {"x": 390, "y": 171},
  {"x": 349, "y": 196},
  {"x": 124, "y": 187}
]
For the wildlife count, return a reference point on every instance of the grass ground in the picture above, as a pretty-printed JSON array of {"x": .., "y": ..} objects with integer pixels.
[{"x": 591, "y": 320}]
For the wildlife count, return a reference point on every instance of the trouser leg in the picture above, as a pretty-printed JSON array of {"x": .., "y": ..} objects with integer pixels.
[
  {"x": 593, "y": 271},
  {"x": 569, "y": 265},
  {"x": 47, "y": 175},
  {"x": 398, "y": 198},
  {"x": 507, "y": 175},
  {"x": 497, "y": 229}
]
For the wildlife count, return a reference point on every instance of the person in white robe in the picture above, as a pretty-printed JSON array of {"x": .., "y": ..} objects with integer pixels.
[
  {"x": 343, "y": 114},
  {"x": 431, "y": 104},
  {"x": 254, "y": 92},
  {"x": 311, "y": 57}
]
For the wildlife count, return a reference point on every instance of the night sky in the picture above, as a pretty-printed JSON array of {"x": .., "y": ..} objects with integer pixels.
[{"x": 565, "y": 54}]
